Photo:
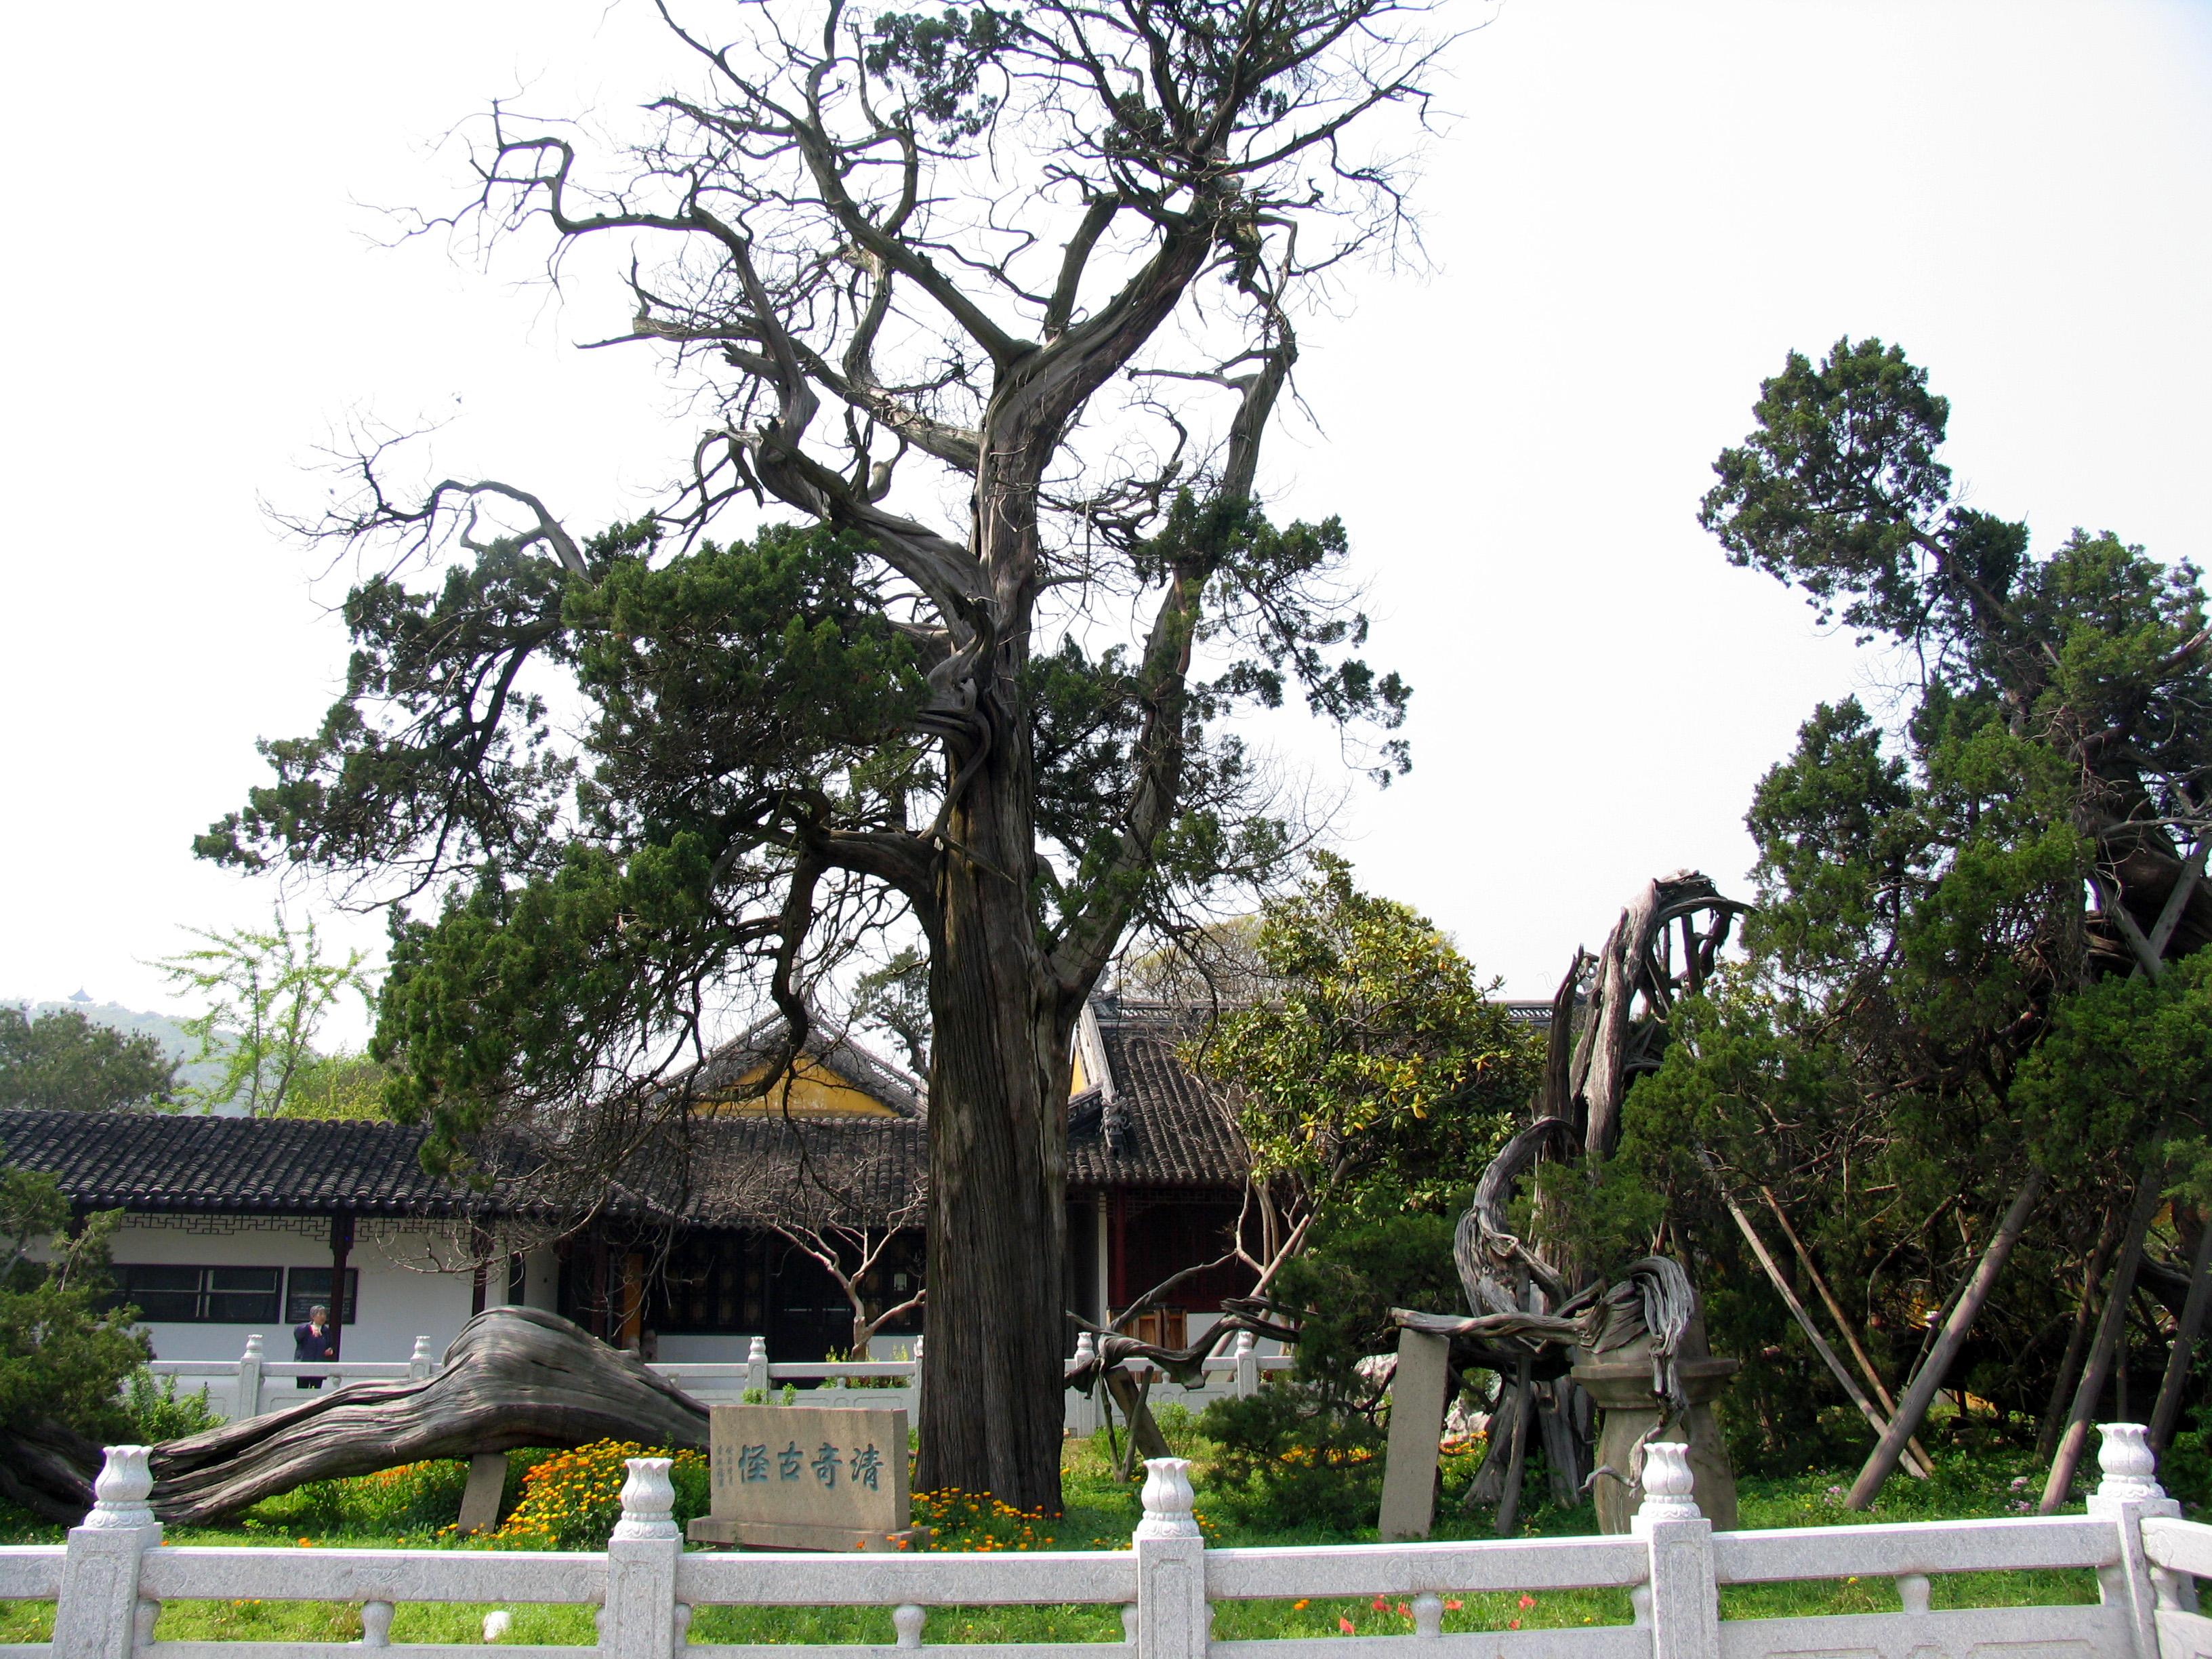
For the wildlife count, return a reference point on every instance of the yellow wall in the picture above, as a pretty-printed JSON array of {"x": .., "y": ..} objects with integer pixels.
[
  {"x": 1077, "y": 1082},
  {"x": 810, "y": 1090}
]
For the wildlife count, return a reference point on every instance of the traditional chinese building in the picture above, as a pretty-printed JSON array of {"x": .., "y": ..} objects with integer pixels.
[{"x": 234, "y": 1226}]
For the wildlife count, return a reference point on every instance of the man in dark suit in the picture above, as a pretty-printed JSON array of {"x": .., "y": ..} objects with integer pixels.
[{"x": 314, "y": 1341}]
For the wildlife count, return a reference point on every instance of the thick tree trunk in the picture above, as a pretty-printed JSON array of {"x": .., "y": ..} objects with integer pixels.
[
  {"x": 514, "y": 1377},
  {"x": 991, "y": 1409}
]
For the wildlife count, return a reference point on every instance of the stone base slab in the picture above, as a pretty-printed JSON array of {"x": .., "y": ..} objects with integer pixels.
[{"x": 779, "y": 1535}]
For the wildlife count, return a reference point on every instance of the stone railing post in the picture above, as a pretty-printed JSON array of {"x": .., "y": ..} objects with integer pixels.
[
  {"x": 422, "y": 1364},
  {"x": 2128, "y": 1491},
  {"x": 1171, "y": 1612},
  {"x": 1682, "y": 1597},
  {"x": 99, "y": 1614},
  {"x": 1083, "y": 1408},
  {"x": 1248, "y": 1366},
  {"x": 642, "y": 1618},
  {"x": 757, "y": 1368},
  {"x": 246, "y": 1401}
]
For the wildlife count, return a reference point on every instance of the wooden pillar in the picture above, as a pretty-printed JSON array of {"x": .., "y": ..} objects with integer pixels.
[
  {"x": 341, "y": 1247},
  {"x": 1117, "y": 1271},
  {"x": 480, "y": 1254}
]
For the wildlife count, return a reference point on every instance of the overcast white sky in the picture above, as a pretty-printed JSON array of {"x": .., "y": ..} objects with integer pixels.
[{"x": 1639, "y": 209}]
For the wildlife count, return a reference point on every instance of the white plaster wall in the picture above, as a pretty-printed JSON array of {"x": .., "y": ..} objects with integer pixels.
[
  {"x": 394, "y": 1305},
  {"x": 541, "y": 1275}
]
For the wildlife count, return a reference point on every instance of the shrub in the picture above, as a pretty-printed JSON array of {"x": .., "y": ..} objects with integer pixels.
[
  {"x": 1306, "y": 1452},
  {"x": 420, "y": 1500},
  {"x": 159, "y": 1413},
  {"x": 572, "y": 1500}
]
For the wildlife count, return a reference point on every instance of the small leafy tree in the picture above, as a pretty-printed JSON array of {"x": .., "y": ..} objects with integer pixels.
[
  {"x": 1374, "y": 1078},
  {"x": 62, "y": 1062},
  {"x": 265, "y": 996},
  {"x": 342, "y": 1085},
  {"x": 1376, "y": 1071}
]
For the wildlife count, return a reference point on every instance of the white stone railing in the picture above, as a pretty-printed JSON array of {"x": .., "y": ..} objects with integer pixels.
[
  {"x": 241, "y": 1388},
  {"x": 111, "y": 1579}
]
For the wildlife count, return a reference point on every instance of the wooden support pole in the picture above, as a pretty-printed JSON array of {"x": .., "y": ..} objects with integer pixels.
[
  {"x": 2112, "y": 1330},
  {"x": 1915, "y": 1466},
  {"x": 1850, "y": 1334},
  {"x": 2175, "y": 1383},
  {"x": 2069, "y": 1364},
  {"x": 1921, "y": 1391},
  {"x": 1516, "y": 1454}
]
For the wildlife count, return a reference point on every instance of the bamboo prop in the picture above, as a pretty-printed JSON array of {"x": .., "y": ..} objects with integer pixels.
[
  {"x": 1921, "y": 1390},
  {"x": 2112, "y": 1330},
  {"x": 1850, "y": 1335},
  {"x": 2173, "y": 1383},
  {"x": 1918, "y": 1467}
]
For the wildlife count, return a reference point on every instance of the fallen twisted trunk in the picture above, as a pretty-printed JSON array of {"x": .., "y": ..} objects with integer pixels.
[{"x": 514, "y": 1377}]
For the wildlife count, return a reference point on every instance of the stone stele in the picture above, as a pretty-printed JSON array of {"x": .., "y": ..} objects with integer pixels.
[{"x": 808, "y": 1478}]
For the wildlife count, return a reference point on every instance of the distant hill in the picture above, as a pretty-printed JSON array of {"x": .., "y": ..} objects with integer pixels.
[{"x": 162, "y": 1028}]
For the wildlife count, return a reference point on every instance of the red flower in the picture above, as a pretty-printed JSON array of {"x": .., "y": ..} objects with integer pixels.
[{"x": 1344, "y": 1624}]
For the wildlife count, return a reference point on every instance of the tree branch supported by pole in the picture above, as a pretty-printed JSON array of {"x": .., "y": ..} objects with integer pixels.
[
  {"x": 2171, "y": 1388},
  {"x": 1914, "y": 1465},
  {"x": 1836, "y": 1312},
  {"x": 2077, "y": 1338},
  {"x": 2112, "y": 1330},
  {"x": 1921, "y": 1391}
]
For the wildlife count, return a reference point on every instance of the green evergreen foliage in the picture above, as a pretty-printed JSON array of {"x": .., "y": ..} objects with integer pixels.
[
  {"x": 63, "y": 1352},
  {"x": 62, "y": 1062},
  {"x": 1951, "y": 973}
]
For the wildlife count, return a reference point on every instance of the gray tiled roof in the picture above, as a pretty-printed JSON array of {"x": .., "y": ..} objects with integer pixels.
[
  {"x": 1157, "y": 1125},
  {"x": 153, "y": 1161}
]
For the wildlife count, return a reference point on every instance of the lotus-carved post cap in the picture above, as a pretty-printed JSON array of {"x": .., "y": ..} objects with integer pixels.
[
  {"x": 422, "y": 1348},
  {"x": 758, "y": 1353},
  {"x": 1668, "y": 1485},
  {"x": 120, "y": 1491},
  {"x": 648, "y": 1500},
  {"x": 1244, "y": 1343},
  {"x": 1168, "y": 1499},
  {"x": 1085, "y": 1349},
  {"x": 254, "y": 1346},
  {"x": 2131, "y": 1469}
]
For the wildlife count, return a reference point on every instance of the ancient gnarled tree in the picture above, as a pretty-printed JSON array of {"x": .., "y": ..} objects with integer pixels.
[{"x": 995, "y": 309}]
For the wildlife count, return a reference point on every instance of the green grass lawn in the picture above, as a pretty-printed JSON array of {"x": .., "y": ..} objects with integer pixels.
[{"x": 1100, "y": 1515}]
